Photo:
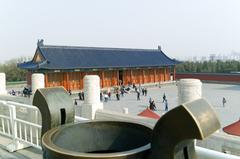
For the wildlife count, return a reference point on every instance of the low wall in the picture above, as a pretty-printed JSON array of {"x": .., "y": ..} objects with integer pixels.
[
  {"x": 222, "y": 142},
  {"x": 111, "y": 115},
  {"x": 214, "y": 77}
]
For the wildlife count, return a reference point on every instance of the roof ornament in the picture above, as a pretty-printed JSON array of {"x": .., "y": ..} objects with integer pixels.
[
  {"x": 40, "y": 42},
  {"x": 159, "y": 48}
]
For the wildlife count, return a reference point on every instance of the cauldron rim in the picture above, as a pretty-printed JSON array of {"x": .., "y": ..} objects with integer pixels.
[{"x": 47, "y": 142}]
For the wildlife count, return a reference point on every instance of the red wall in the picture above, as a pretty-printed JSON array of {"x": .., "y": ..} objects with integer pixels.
[{"x": 211, "y": 77}]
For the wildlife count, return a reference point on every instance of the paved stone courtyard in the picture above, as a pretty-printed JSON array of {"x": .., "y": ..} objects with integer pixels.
[{"x": 212, "y": 92}]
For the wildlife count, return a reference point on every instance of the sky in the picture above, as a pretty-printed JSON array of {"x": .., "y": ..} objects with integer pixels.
[{"x": 183, "y": 28}]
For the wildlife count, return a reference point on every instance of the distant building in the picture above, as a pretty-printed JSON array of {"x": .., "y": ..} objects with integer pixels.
[{"x": 67, "y": 65}]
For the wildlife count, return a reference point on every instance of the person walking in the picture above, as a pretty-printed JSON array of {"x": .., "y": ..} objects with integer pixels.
[
  {"x": 166, "y": 105},
  {"x": 101, "y": 96},
  {"x": 70, "y": 92},
  {"x": 138, "y": 95},
  {"x": 224, "y": 101},
  {"x": 164, "y": 97},
  {"x": 150, "y": 100},
  {"x": 75, "y": 102},
  {"x": 109, "y": 95},
  {"x": 122, "y": 91},
  {"x": 105, "y": 98},
  {"x": 152, "y": 106},
  {"x": 80, "y": 96},
  {"x": 143, "y": 91},
  {"x": 117, "y": 95},
  {"x": 146, "y": 91}
]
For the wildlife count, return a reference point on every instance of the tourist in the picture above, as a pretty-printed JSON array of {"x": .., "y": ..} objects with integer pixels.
[
  {"x": 105, "y": 97},
  {"x": 70, "y": 92},
  {"x": 80, "y": 95},
  {"x": 13, "y": 92},
  {"x": 117, "y": 95},
  {"x": 164, "y": 97},
  {"x": 150, "y": 100},
  {"x": 224, "y": 101},
  {"x": 109, "y": 95},
  {"x": 152, "y": 106},
  {"x": 145, "y": 91},
  {"x": 166, "y": 105},
  {"x": 122, "y": 91},
  {"x": 134, "y": 86},
  {"x": 101, "y": 96},
  {"x": 138, "y": 95},
  {"x": 136, "y": 89}
]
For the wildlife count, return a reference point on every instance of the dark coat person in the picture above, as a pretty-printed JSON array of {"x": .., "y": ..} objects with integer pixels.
[
  {"x": 152, "y": 106},
  {"x": 166, "y": 105},
  {"x": 138, "y": 95}
]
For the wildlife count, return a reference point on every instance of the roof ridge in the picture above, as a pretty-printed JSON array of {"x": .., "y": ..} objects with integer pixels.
[{"x": 98, "y": 48}]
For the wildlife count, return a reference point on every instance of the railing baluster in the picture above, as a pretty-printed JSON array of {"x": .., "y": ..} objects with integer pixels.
[
  {"x": 31, "y": 135},
  {"x": 36, "y": 116},
  {"x": 25, "y": 132},
  {"x": 8, "y": 127},
  {"x": 37, "y": 137},
  {"x": 3, "y": 125},
  {"x": 20, "y": 130}
]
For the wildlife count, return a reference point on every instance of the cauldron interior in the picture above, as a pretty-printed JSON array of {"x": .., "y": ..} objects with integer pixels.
[{"x": 102, "y": 137}]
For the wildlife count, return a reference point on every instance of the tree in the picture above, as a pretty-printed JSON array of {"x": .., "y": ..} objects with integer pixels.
[
  {"x": 13, "y": 73},
  {"x": 209, "y": 67}
]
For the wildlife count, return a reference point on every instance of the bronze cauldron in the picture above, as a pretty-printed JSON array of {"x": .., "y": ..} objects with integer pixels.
[{"x": 98, "y": 139}]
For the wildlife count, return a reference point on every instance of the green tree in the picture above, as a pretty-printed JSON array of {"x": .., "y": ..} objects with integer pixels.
[
  {"x": 13, "y": 73},
  {"x": 209, "y": 66}
]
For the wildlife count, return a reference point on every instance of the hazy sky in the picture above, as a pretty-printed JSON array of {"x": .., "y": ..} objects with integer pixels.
[{"x": 182, "y": 27}]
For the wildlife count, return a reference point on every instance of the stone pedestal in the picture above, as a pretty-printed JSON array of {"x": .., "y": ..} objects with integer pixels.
[
  {"x": 91, "y": 85},
  {"x": 189, "y": 89},
  {"x": 3, "y": 84},
  {"x": 37, "y": 81}
]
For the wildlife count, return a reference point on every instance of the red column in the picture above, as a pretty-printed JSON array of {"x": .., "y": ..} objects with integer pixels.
[
  {"x": 164, "y": 74},
  {"x": 66, "y": 83},
  {"x": 46, "y": 80},
  {"x": 131, "y": 76},
  {"x": 155, "y": 75},
  {"x": 103, "y": 79},
  {"x": 143, "y": 78},
  {"x": 174, "y": 73}
]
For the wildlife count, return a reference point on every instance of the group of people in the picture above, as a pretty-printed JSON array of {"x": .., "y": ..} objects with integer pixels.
[
  {"x": 144, "y": 91},
  {"x": 26, "y": 92},
  {"x": 105, "y": 96},
  {"x": 81, "y": 95},
  {"x": 152, "y": 105},
  {"x": 122, "y": 91}
]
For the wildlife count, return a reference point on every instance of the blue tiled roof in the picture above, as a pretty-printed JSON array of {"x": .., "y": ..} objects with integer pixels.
[{"x": 64, "y": 57}]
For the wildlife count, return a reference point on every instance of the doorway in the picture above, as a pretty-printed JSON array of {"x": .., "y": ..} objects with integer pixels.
[{"x": 120, "y": 77}]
